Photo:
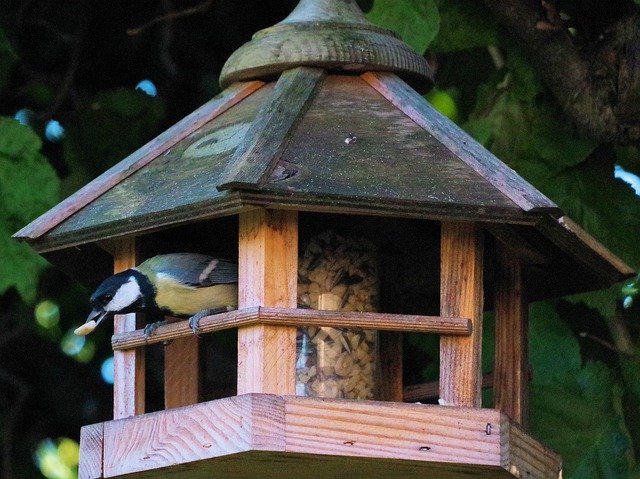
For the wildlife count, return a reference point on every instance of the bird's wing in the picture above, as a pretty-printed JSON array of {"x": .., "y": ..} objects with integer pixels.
[{"x": 197, "y": 270}]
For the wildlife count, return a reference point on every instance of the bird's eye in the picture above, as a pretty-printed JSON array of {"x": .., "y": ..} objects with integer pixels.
[{"x": 107, "y": 297}]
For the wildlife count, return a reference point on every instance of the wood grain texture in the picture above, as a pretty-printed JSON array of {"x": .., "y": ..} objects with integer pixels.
[
  {"x": 511, "y": 368},
  {"x": 129, "y": 366},
  {"x": 391, "y": 430},
  {"x": 138, "y": 159},
  {"x": 267, "y": 276},
  {"x": 261, "y": 435},
  {"x": 182, "y": 372},
  {"x": 193, "y": 433},
  {"x": 257, "y": 155},
  {"x": 267, "y": 465},
  {"x": 91, "y": 449},
  {"x": 390, "y": 385},
  {"x": 461, "y": 294},
  {"x": 526, "y": 457},
  {"x": 297, "y": 317},
  {"x": 464, "y": 146}
]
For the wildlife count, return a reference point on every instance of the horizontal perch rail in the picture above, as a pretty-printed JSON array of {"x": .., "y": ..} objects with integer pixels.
[
  {"x": 296, "y": 317},
  {"x": 431, "y": 390}
]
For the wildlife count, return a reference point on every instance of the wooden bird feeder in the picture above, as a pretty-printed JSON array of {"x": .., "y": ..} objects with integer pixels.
[{"x": 318, "y": 128}]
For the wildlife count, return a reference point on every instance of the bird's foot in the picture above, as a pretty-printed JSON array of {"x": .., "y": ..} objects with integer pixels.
[
  {"x": 194, "y": 321},
  {"x": 149, "y": 329}
]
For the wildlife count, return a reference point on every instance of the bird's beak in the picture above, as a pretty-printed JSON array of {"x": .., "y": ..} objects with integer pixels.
[
  {"x": 94, "y": 319},
  {"x": 97, "y": 315}
]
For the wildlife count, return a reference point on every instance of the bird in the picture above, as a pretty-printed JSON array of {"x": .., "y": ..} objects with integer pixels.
[{"x": 177, "y": 284}]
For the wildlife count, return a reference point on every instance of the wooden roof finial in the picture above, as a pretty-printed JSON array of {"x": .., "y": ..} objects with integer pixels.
[{"x": 331, "y": 34}]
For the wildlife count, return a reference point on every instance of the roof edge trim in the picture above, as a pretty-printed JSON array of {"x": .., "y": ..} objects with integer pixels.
[
  {"x": 240, "y": 199},
  {"x": 584, "y": 248}
]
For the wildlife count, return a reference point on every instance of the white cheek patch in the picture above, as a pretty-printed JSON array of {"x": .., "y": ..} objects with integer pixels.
[{"x": 126, "y": 295}]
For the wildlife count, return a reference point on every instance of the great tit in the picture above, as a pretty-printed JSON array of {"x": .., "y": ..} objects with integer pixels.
[{"x": 177, "y": 284}]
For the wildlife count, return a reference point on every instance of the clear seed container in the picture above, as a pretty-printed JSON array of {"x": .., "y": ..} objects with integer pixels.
[{"x": 341, "y": 274}]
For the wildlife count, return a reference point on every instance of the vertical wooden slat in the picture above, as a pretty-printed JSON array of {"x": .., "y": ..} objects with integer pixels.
[
  {"x": 268, "y": 273},
  {"x": 511, "y": 358},
  {"x": 128, "y": 386},
  {"x": 461, "y": 295},
  {"x": 181, "y": 372},
  {"x": 390, "y": 385}
]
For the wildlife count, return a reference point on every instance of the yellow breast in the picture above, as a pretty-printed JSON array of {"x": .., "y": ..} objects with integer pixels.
[{"x": 186, "y": 301}]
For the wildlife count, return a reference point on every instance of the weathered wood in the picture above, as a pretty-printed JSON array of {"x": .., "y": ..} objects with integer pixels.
[
  {"x": 129, "y": 366},
  {"x": 390, "y": 377},
  {"x": 431, "y": 390},
  {"x": 353, "y": 143},
  {"x": 256, "y": 157},
  {"x": 584, "y": 248},
  {"x": 297, "y": 317},
  {"x": 181, "y": 372},
  {"x": 511, "y": 369},
  {"x": 91, "y": 450},
  {"x": 262, "y": 435},
  {"x": 461, "y": 294},
  {"x": 326, "y": 34},
  {"x": 138, "y": 159},
  {"x": 267, "y": 276},
  {"x": 460, "y": 143}
]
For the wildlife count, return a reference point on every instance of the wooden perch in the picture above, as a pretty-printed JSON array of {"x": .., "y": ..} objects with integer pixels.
[{"x": 297, "y": 317}]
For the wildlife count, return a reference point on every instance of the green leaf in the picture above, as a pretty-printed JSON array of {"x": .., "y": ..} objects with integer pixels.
[
  {"x": 575, "y": 409},
  {"x": 529, "y": 133},
  {"x": 416, "y": 21},
  {"x": 578, "y": 416},
  {"x": 7, "y": 59},
  {"x": 28, "y": 187},
  {"x": 464, "y": 24},
  {"x": 553, "y": 350}
]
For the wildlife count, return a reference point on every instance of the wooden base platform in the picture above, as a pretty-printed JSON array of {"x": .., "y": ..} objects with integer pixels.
[{"x": 268, "y": 436}]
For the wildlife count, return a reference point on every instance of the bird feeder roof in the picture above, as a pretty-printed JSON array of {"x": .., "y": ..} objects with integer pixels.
[{"x": 313, "y": 135}]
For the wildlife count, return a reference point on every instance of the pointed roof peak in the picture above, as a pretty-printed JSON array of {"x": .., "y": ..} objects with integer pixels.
[{"x": 329, "y": 34}]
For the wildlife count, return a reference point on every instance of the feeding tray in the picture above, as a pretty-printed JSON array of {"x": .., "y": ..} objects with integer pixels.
[{"x": 267, "y": 436}]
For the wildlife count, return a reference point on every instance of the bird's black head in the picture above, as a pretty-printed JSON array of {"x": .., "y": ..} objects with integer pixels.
[{"x": 126, "y": 292}]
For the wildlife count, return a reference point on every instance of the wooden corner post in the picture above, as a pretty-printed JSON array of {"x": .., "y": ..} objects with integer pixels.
[
  {"x": 267, "y": 276},
  {"x": 461, "y": 295},
  {"x": 511, "y": 372},
  {"x": 128, "y": 377}
]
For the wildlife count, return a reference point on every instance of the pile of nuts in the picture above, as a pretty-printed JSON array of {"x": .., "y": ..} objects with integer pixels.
[{"x": 341, "y": 274}]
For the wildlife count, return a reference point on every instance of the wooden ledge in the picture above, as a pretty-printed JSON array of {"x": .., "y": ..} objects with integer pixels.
[
  {"x": 262, "y": 435},
  {"x": 296, "y": 317}
]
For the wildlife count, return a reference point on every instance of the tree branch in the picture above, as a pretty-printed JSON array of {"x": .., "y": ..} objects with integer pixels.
[
  {"x": 597, "y": 86},
  {"x": 201, "y": 7}
]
